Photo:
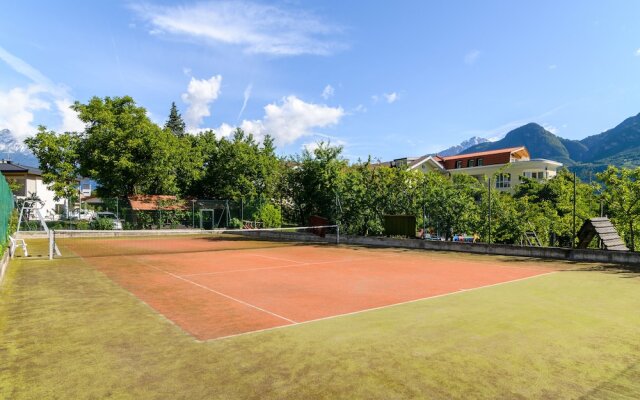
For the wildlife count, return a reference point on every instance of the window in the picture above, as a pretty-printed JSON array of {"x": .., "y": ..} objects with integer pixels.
[
  {"x": 503, "y": 181},
  {"x": 459, "y": 164},
  {"x": 534, "y": 175},
  {"x": 480, "y": 162},
  {"x": 471, "y": 163},
  {"x": 21, "y": 186}
]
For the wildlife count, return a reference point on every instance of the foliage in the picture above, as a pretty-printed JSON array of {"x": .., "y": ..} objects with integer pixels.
[
  {"x": 124, "y": 151},
  {"x": 235, "y": 168},
  {"x": 102, "y": 224},
  {"x": 312, "y": 182},
  {"x": 621, "y": 195},
  {"x": 83, "y": 225},
  {"x": 58, "y": 158},
  {"x": 175, "y": 123},
  {"x": 235, "y": 223},
  {"x": 269, "y": 215},
  {"x": 13, "y": 221},
  {"x": 14, "y": 185}
]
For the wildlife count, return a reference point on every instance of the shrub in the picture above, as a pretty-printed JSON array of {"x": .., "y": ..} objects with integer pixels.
[
  {"x": 102, "y": 224},
  {"x": 235, "y": 223},
  {"x": 269, "y": 215},
  {"x": 82, "y": 225}
]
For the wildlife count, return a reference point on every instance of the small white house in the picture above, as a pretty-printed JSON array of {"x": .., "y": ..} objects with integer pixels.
[{"x": 30, "y": 181}]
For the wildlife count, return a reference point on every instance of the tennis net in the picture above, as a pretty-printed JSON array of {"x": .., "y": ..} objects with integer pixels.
[{"x": 101, "y": 243}]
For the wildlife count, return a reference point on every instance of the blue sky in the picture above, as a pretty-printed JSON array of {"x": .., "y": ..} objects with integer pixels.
[{"x": 383, "y": 78}]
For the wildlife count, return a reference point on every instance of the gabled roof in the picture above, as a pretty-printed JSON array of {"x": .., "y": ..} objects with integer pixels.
[
  {"x": 489, "y": 152},
  {"x": 433, "y": 160},
  {"x": 9, "y": 166}
]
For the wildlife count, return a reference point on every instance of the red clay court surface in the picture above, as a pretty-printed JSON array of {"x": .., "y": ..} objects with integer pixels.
[{"x": 212, "y": 292}]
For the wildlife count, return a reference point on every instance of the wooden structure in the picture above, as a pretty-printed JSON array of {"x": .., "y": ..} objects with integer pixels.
[{"x": 605, "y": 230}]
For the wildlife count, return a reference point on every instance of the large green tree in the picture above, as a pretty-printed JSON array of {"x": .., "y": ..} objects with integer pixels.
[
  {"x": 236, "y": 168},
  {"x": 313, "y": 181},
  {"x": 58, "y": 158},
  {"x": 124, "y": 151}
]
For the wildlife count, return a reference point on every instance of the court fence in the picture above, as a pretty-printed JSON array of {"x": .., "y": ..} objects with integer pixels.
[{"x": 204, "y": 214}]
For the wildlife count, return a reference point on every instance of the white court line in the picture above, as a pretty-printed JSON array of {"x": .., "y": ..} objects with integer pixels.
[
  {"x": 279, "y": 266},
  {"x": 220, "y": 293},
  {"x": 374, "y": 308},
  {"x": 275, "y": 258}
]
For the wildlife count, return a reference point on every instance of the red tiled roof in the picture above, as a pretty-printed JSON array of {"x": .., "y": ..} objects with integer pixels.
[
  {"x": 485, "y": 153},
  {"x": 154, "y": 202}
]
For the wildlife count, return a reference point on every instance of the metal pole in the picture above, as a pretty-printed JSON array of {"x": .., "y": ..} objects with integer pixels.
[
  {"x": 573, "y": 237},
  {"x": 489, "y": 235},
  {"x": 242, "y": 209},
  {"x": 193, "y": 214}
]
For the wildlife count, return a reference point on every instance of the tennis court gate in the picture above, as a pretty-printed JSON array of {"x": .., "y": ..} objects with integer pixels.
[{"x": 213, "y": 214}]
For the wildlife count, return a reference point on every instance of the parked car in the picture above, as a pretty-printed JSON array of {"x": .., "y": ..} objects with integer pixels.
[
  {"x": 117, "y": 223},
  {"x": 82, "y": 214}
]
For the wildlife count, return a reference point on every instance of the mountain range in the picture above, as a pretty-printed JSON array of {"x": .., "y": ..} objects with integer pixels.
[
  {"x": 619, "y": 146},
  {"x": 457, "y": 149},
  {"x": 15, "y": 150}
]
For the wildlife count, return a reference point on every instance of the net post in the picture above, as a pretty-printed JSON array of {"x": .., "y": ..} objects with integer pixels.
[
  {"x": 51, "y": 243},
  {"x": 337, "y": 234}
]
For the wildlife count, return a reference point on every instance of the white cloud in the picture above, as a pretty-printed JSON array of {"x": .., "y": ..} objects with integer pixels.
[
  {"x": 360, "y": 108},
  {"x": 638, "y": 52},
  {"x": 200, "y": 93},
  {"x": 553, "y": 66},
  {"x": 388, "y": 97},
  {"x": 312, "y": 145},
  {"x": 391, "y": 97},
  {"x": 471, "y": 57},
  {"x": 247, "y": 95},
  {"x": 289, "y": 120},
  {"x": 550, "y": 128},
  {"x": 257, "y": 28},
  {"x": 70, "y": 120},
  {"x": 328, "y": 92},
  {"x": 19, "y": 105}
]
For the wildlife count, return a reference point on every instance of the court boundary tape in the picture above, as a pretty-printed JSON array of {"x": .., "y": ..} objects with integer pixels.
[{"x": 459, "y": 291}]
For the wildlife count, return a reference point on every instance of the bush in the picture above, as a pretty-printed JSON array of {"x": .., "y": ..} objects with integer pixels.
[
  {"x": 102, "y": 224},
  {"x": 235, "y": 223},
  {"x": 83, "y": 225},
  {"x": 269, "y": 215}
]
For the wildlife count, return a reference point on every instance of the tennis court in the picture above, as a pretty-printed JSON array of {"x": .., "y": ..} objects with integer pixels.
[{"x": 219, "y": 287}]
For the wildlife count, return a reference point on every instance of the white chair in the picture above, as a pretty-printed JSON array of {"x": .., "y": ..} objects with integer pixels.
[{"x": 14, "y": 245}]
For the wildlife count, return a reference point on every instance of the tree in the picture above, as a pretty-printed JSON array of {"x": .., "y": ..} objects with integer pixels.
[
  {"x": 175, "y": 123},
  {"x": 622, "y": 198},
  {"x": 313, "y": 180},
  {"x": 58, "y": 158},
  {"x": 237, "y": 168},
  {"x": 124, "y": 151}
]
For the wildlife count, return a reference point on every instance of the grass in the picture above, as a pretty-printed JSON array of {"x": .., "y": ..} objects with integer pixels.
[{"x": 66, "y": 331}]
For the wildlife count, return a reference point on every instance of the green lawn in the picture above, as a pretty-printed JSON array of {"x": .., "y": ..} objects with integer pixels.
[{"x": 68, "y": 332}]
